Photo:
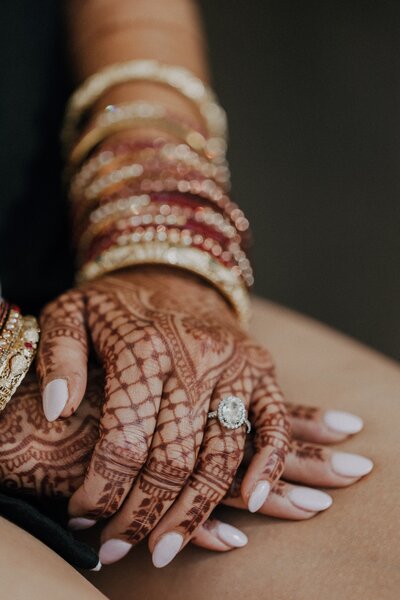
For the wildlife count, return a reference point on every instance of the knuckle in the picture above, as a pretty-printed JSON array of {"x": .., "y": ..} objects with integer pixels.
[
  {"x": 226, "y": 452},
  {"x": 175, "y": 461},
  {"x": 121, "y": 453},
  {"x": 66, "y": 304}
]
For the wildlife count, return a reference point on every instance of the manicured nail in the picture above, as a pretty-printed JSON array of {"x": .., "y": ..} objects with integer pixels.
[
  {"x": 309, "y": 499},
  {"x": 78, "y": 523},
  {"x": 97, "y": 567},
  {"x": 55, "y": 397},
  {"x": 259, "y": 496},
  {"x": 343, "y": 422},
  {"x": 231, "y": 536},
  {"x": 166, "y": 549},
  {"x": 113, "y": 550},
  {"x": 350, "y": 465}
]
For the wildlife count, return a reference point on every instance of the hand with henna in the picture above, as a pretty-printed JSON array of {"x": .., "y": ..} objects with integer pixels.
[
  {"x": 50, "y": 459},
  {"x": 171, "y": 349}
]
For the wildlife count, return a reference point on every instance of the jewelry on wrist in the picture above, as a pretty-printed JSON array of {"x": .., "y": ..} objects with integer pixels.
[
  {"x": 19, "y": 337},
  {"x": 226, "y": 252},
  {"x": 139, "y": 201},
  {"x": 180, "y": 156},
  {"x": 99, "y": 133},
  {"x": 188, "y": 258},
  {"x": 178, "y": 78}
]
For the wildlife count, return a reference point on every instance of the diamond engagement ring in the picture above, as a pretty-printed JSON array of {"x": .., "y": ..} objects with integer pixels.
[{"x": 231, "y": 413}]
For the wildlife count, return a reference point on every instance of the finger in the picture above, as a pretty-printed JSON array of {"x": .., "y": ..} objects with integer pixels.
[
  {"x": 313, "y": 424},
  {"x": 219, "y": 457},
  {"x": 135, "y": 371},
  {"x": 171, "y": 460},
  {"x": 285, "y": 501},
  {"x": 62, "y": 355},
  {"x": 271, "y": 442},
  {"x": 218, "y": 536},
  {"x": 311, "y": 464}
]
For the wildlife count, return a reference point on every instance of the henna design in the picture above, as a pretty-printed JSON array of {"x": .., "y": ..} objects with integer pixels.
[
  {"x": 63, "y": 320},
  {"x": 305, "y": 450},
  {"x": 305, "y": 413},
  {"x": 50, "y": 459},
  {"x": 46, "y": 458},
  {"x": 165, "y": 336}
]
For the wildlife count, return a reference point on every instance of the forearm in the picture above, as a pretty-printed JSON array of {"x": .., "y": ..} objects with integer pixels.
[{"x": 102, "y": 32}]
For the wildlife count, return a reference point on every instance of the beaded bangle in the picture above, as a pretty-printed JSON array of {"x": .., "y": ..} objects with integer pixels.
[
  {"x": 179, "y": 78},
  {"x": 99, "y": 133},
  {"x": 171, "y": 155},
  {"x": 214, "y": 148},
  {"x": 226, "y": 252},
  {"x": 170, "y": 214},
  {"x": 163, "y": 253}
]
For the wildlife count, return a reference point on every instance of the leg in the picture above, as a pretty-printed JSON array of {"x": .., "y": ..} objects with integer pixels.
[
  {"x": 351, "y": 551},
  {"x": 28, "y": 569}
]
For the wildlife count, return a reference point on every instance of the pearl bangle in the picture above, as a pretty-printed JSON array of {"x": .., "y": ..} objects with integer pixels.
[
  {"x": 163, "y": 253},
  {"x": 179, "y": 78}
]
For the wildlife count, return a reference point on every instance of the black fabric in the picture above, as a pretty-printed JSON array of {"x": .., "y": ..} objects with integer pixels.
[{"x": 47, "y": 520}]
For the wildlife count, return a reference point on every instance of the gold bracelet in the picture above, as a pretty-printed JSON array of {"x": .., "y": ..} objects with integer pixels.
[
  {"x": 179, "y": 78},
  {"x": 98, "y": 134},
  {"x": 17, "y": 360},
  {"x": 163, "y": 253}
]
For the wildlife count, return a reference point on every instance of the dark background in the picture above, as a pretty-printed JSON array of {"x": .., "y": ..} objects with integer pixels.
[{"x": 312, "y": 92}]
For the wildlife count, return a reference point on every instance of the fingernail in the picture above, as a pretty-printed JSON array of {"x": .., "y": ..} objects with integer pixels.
[
  {"x": 55, "y": 397},
  {"x": 97, "y": 567},
  {"x": 259, "y": 496},
  {"x": 309, "y": 499},
  {"x": 343, "y": 422},
  {"x": 113, "y": 550},
  {"x": 351, "y": 465},
  {"x": 231, "y": 536},
  {"x": 166, "y": 549},
  {"x": 77, "y": 523}
]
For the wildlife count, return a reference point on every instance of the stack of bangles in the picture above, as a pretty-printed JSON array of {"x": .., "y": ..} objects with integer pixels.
[
  {"x": 19, "y": 337},
  {"x": 154, "y": 200}
]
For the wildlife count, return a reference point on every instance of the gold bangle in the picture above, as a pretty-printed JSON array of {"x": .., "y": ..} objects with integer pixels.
[
  {"x": 189, "y": 259},
  {"x": 98, "y": 134},
  {"x": 18, "y": 359},
  {"x": 179, "y": 78}
]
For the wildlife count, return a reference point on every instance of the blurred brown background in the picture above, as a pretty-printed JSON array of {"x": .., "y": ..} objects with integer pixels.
[{"x": 312, "y": 92}]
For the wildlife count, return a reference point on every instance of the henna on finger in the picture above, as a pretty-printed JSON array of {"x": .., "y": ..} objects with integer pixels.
[
  {"x": 62, "y": 355},
  {"x": 322, "y": 426},
  {"x": 314, "y": 464}
]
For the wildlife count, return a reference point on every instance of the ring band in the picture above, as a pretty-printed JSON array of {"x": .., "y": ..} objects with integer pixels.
[{"x": 231, "y": 413}]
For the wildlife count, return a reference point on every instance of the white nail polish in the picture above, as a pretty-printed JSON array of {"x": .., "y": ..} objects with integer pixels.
[
  {"x": 350, "y": 465},
  {"x": 343, "y": 422},
  {"x": 231, "y": 536},
  {"x": 97, "y": 567},
  {"x": 55, "y": 397},
  {"x": 309, "y": 499},
  {"x": 259, "y": 496},
  {"x": 166, "y": 549},
  {"x": 113, "y": 550},
  {"x": 78, "y": 523}
]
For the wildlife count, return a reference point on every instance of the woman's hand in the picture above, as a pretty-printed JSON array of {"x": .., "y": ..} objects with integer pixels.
[
  {"x": 171, "y": 349},
  {"x": 51, "y": 459}
]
